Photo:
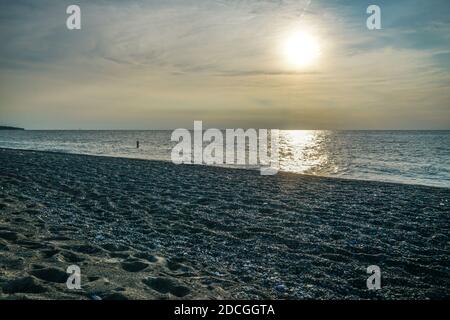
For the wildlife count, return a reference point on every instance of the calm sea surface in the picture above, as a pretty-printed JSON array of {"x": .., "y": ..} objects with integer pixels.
[{"x": 413, "y": 157}]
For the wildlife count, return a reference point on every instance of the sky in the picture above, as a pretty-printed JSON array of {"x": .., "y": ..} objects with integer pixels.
[{"x": 163, "y": 64}]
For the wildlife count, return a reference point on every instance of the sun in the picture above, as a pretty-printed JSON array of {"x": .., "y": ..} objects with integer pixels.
[{"x": 301, "y": 49}]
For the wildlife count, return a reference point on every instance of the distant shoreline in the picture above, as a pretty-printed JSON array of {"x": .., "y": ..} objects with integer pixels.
[
  {"x": 10, "y": 128},
  {"x": 284, "y": 173},
  {"x": 245, "y": 128}
]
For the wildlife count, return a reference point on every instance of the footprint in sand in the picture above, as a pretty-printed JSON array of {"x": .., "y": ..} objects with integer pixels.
[
  {"x": 71, "y": 257},
  {"x": 88, "y": 249},
  {"x": 165, "y": 285},
  {"x": 175, "y": 265},
  {"x": 12, "y": 263},
  {"x": 50, "y": 274},
  {"x": 115, "y": 296},
  {"x": 8, "y": 235},
  {"x": 30, "y": 244},
  {"x": 149, "y": 257},
  {"x": 48, "y": 253},
  {"x": 120, "y": 255},
  {"x": 112, "y": 247},
  {"x": 57, "y": 238},
  {"x": 134, "y": 265},
  {"x": 3, "y": 247},
  {"x": 23, "y": 285},
  {"x": 93, "y": 278}
]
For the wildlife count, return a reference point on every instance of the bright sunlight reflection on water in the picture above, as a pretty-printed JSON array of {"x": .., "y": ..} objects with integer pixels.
[
  {"x": 396, "y": 156},
  {"x": 303, "y": 151}
]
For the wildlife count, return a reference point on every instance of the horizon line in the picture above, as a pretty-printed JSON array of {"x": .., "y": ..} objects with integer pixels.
[{"x": 206, "y": 128}]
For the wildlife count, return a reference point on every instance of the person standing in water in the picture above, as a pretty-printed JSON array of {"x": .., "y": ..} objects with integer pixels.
[{"x": 137, "y": 144}]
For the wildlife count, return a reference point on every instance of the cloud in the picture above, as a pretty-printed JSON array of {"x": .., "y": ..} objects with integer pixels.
[{"x": 170, "y": 61}]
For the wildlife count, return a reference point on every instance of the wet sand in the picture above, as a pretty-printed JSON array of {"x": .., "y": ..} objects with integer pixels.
[{"x": 152, "y": 230}]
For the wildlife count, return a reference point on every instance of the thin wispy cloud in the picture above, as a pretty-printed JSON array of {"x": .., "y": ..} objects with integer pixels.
[{"x": 162, "y": 64}]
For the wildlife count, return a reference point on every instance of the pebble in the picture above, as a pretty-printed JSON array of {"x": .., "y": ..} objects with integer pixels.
[{"x": 280, "y": 288}]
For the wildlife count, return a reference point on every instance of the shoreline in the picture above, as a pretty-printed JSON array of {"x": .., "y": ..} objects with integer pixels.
[
  {"x": 141, "y": 229},
  {"x": 229, "y": 168}
]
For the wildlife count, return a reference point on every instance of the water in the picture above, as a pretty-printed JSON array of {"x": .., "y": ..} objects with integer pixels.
[{"x": 413, "y": 157}]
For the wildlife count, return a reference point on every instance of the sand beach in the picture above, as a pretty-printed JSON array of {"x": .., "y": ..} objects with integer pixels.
[{"x": 142, "y": 229}]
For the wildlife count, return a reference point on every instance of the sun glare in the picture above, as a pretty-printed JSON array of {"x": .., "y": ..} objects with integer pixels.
[{"x": 301, "y": 49}]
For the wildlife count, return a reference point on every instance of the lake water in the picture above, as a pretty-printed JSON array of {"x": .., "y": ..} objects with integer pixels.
[{"x": 413, "y": 157}]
